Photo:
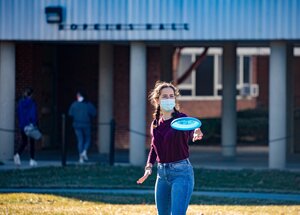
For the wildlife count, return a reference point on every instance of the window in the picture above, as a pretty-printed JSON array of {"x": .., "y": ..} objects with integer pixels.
[
  {"x": 186, "y": 87},
  {"x": 205, "y": 77},
  {"x": 205, "y": 82},
  {"x": 243, "y": 67}
]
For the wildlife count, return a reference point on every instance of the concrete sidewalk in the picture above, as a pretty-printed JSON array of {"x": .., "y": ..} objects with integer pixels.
[{"x": 238, "y": 195}]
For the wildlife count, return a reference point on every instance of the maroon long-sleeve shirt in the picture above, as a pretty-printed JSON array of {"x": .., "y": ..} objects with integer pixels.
[{"x": 168, "y": 145}]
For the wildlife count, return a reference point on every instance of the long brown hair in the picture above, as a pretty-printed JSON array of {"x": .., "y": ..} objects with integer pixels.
[{"x": 154, "y": 96}]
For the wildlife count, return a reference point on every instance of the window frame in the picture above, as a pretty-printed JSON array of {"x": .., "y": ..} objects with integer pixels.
[{"x": 217, "y": 53}]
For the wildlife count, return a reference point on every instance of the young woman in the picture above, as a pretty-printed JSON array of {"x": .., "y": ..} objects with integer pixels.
[{"x": 169, "y": 147}]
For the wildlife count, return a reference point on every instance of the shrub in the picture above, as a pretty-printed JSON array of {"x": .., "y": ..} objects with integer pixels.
[{"x": 252, "y": 127}]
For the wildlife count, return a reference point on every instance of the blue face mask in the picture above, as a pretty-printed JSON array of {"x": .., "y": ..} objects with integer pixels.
[
  {"x": 80, "y": 98},
  {"x": 167, "y": 104}
]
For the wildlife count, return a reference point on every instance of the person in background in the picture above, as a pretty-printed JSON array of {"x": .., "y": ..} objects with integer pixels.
[
  {"x": 169, "y": 148},
  {"x": 26, "y": 114},
  {"x": 82, "y": 111}
]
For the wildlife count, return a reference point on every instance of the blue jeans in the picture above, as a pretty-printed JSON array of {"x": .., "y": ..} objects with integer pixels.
[
  {"x": 174, "y": 186},
  {"x": 83, "y": 135}
]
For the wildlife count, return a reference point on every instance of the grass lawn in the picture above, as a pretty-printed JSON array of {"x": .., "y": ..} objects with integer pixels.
[
  {"x": 102, "y": 176},
  {"x": 140, "y": 204}
]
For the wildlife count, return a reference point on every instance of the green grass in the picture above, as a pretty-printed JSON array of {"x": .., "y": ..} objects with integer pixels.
[
  {"x": 102, "y": 176},
  {"x": 123, "y": 204}
]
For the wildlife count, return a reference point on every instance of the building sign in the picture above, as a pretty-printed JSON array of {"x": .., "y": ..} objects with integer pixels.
[
  {"x": 54, "y": 15},
  {"x": 124, "y": 27}
]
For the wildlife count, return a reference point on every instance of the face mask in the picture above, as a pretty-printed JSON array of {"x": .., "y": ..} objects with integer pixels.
[
  {"x": 167, "y": 104},
  {"x": 80, "y": 98}
]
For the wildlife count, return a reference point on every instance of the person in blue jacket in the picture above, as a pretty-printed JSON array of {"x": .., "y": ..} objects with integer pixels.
[
  {"x": 82, "y": 111},
  {"x": 26, "y": 114}
]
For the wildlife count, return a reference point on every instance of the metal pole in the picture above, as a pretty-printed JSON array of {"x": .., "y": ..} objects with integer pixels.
[
  {"x": 112, "y": 142},
  {"x": 63, "y": 132}
]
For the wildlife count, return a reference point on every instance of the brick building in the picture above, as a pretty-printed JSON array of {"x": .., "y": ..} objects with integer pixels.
[{"x": 116, "y": 53}]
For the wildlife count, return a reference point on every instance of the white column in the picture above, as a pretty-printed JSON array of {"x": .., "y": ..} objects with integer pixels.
[
  {"x": 106, "y": 96},
  {"x": 229, "y": 125},
  {"x": 138, "y": 99},
  {"x": 7, "y": 100},
  {"x": 277, "y": 106}
]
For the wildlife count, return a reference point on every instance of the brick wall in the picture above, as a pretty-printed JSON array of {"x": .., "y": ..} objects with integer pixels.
[
  {"x": 25, "y": 54},
  {"x": 153, "y": 75},
  {"x": 121, "y": 94},
  {"x": 263, "y": 81},
  {"x": 212, "y": 108}
]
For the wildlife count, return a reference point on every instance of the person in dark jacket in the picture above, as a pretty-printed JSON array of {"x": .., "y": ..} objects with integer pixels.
[
  {"x": 27, "y": 114},
  {"x": 82, "y": 112}
]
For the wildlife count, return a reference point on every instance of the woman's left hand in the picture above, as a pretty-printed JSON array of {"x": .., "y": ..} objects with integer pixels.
[{"x": 197, "y": 134}]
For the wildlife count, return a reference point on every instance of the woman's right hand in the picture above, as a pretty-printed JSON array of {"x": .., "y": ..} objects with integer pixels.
[{"x": 148, "y": 171}]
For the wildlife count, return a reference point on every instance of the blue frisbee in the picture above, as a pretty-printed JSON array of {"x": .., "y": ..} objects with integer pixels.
[{"x": 186, "y": 123}]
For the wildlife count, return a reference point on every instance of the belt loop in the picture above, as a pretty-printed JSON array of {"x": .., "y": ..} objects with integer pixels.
[{"x": 188, "y": 161}]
